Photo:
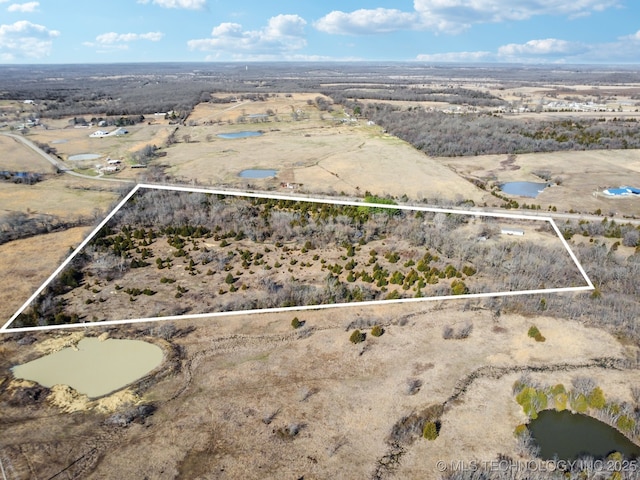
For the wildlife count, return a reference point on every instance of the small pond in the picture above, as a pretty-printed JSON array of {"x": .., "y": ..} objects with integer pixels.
[
  {"x": 258, "y": 173},
  {"x": 523, "y": 189},
  {"x": 96, "y": 367},
  {"x": 244, "y": 134},
  {"x": 84, "y": 156},
  {"x": 569, "y": 436}
]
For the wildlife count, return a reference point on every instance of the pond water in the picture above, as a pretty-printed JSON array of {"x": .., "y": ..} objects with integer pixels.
[
  {"x": 258, "y": 173},
  {"x": 524, "y": 189},
  {"x": 244, "y": 134},
  {"x": 96, "y": 368},
  {"x": 570, "y": 436},
  {"x": 84, "y": 156}
]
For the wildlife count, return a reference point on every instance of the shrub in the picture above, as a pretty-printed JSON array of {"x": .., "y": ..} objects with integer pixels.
[
  {"x": 458, "y": 287},
  {"x": 377, "y": 331},
  {"x": 579, "y": 403},
  {"x": 357, "y": 336},
  {"x": 468, "y": 270},
  {"x": 71, "y": 278},
  {"x": 596, "y": 398},
  {"x": 394, "y": 295},
  {"x": 535, "y": 334},
  {"x": 430, "y": 431},
  {"x": 532, "y": 401},
  {"x": 295, "y": 323},
  {"x": 520, "y": 430},
  {"x": 625, "y": 423},
  {"x": 560, "y": 400}
]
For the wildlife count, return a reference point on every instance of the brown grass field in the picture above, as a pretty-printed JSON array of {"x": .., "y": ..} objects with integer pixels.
[
  {"x": 231, "y": 389},
  {"x": 584, "y": 176},
  {"x": 319, "y": 152},
  {"x": 33, "y": 260},
  {"x": 345, "y": 398}
]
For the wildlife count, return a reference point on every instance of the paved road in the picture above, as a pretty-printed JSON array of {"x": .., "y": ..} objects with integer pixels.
[{"x": 58, "y": 164}]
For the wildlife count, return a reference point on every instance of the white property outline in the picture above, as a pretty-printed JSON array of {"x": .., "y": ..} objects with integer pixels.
[{"x": 5, "y": 328}]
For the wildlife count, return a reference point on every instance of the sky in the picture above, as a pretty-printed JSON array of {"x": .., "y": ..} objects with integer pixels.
[{"x": 431, "y": 31}]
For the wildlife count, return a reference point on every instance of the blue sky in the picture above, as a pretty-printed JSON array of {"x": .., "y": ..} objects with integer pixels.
[{"x": 522, "y": 31}]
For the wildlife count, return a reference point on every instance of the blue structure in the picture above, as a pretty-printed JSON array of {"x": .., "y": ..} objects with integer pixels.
[{"x": 622, "y": 191}]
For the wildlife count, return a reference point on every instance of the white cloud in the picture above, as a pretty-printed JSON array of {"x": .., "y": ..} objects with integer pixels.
[
  {"x": 543, "y": 47},
  {"x": 457, "y": 57},
  {"x": 113, "y": 37},
  {"x": 28, "y": 7},
  {"x": 626, "y": 49},
  {"x": 363, "y": 21},
  {"x": 634, "y": 37},
  {"x": 186, "y": 4},
  {"x": 283, "y": 35},
  {"x": 24, "y": 39},
  {"x": 452, "y": 16}
]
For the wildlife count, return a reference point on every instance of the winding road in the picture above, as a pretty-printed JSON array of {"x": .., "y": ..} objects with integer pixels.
[{"x": 59, "y": 164}]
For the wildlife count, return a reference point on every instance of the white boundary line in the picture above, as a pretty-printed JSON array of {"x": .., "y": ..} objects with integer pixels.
[{"x": 5, "y": 328}]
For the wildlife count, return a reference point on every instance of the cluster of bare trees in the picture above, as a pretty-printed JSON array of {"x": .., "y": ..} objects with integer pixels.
[
  {"x": 613, "y": 305},
  {"x": 442, "y": 134},
  {"x": 452, "y": 95},
  {"x": 16, "y": 225}
]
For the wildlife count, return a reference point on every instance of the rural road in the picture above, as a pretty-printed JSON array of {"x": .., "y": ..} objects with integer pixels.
[{"x": 58, "y": 164}]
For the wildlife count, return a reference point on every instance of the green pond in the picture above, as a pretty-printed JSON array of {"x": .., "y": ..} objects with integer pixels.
[
  {"x": 95, "y": 367},
  {"x": 569, "y": 436}
]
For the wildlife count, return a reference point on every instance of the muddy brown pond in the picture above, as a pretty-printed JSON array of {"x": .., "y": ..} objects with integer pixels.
[{"x": 94, "y": 368}]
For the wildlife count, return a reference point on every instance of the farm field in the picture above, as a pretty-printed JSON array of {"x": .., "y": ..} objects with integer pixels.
[
  {"x": 319, "y": 152},
  {"x": 255, "y": 398},
  {"x": 582, "y": 177}
]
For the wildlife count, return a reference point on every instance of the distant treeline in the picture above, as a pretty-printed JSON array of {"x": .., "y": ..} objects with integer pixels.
[
  {"x": 133, "y": 89},
  {"x": 453, "y": 95},
  {"x": 442, "y": 134}
]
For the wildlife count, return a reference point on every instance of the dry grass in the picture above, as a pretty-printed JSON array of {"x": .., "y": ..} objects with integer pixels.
[
  {"x": 17, "y": 157},
  {"x": 582, "y": 174},
  {"x": 66, "y": 197},
  {"x": 245, "y": 379},
  {"x": 319, "y": 152},
  {"x": 32, "y": 261}
]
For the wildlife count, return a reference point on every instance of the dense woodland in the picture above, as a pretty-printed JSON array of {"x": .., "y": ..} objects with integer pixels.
[
  {"x": 441, "y": 134},
  {"x": 452, "y": 95},
  {"x": 333, "y": 254}
]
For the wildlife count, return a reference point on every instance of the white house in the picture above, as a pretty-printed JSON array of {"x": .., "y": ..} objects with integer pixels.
[{"x": 512, "y": 231}]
